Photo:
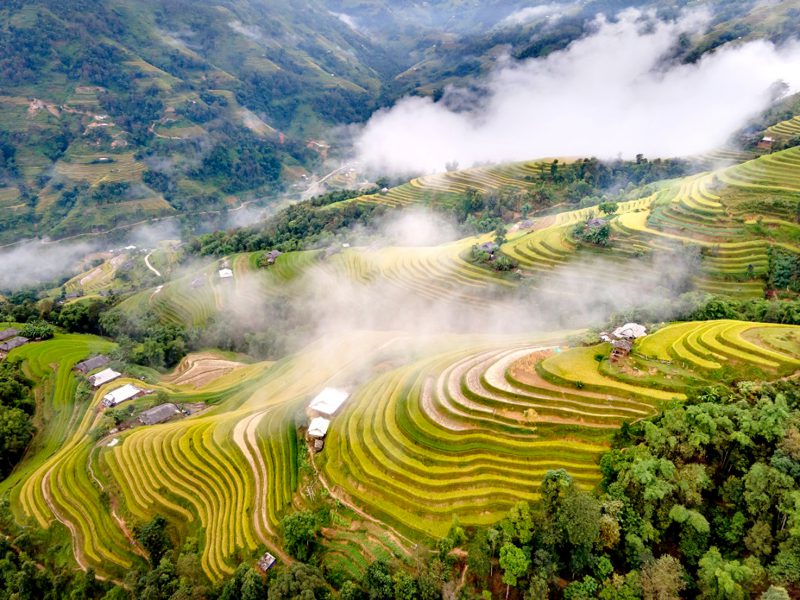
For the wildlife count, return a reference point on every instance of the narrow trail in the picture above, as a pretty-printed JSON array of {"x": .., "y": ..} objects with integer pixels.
[
  {"x": 151, "y": 267},
  {"x": 245, "y": 437},
  {"x": 403, "y": 542}
]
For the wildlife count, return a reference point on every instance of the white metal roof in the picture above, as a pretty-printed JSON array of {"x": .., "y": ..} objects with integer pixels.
[
  {"x": 318, "y": 427},
  {"x": 225, "y": 273},
  {"x": 121, "y": 394},
  {"x": 103, "y": 377},
  {"x": 328, "y": 401},
  {"x": 630, "y": 330}
]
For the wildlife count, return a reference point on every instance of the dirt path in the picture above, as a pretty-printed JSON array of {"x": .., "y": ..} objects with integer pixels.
[
  {"x": 245, "y": 437},
  {"x": 398, "y": 538},
  {"x": 151, "y": 267},
  {"x": 120, "y": 521}
]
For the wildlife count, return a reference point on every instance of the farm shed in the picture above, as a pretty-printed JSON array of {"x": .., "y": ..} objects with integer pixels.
[
  {"x": 621, "y": 349},
  {"x": 328, "y": 401},
  {"x": 158, "y": 414},
  {"x": 225, "y": 274},
  {"x": 595, "y": 222},
  {"x": 318, "y": 428},
  {"x": 103, "y": 377},
  {"x": 14, "y": 342},
  {"x": 8, "y": 333},
  {"x": 122, "y": 394},
  {"x": 91, "y": 364},
  {"x": 272, "y": 256},
  {"x": 266, "y": 562}
]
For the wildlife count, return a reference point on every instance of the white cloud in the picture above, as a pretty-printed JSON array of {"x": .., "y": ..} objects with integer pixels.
[
  {"x": 606, "y": 94},
  {"x": 531, "y": 13},
  {"x": 347, "y": 20}
]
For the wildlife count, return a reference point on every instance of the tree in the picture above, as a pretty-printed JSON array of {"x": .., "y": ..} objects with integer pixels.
[
  {"x": 351, "y": 591},
  {"x": 722, "y": 579},
  {"x": 16, "y": 432},
  {"x": 775, "y": 593},
  {"x": 608, "y": 208},
  {"x": 662, "y": 579},
  {"x": 378, "y": 581},
  {"x": 253, "y": 586},
  {"x": 405, "y": 587},
  {"x": 514, "y": 563},
  {"x": 300, "y": 531},
  {"x": 154, "y": 539},
  {"x": 299, "y": 582}
]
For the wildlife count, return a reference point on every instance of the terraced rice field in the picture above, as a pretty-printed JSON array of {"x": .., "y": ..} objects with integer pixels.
[
  {"x": 785, "y": 129},
  {"x": 468, "y": 428},
  {"x": 86, "y": 168},
  {"x": 469, "y": 432},
  {"x": 445, "y": 188}
]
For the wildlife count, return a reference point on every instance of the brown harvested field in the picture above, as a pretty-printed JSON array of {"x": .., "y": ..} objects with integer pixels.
[{"x": 201, "y": 368}]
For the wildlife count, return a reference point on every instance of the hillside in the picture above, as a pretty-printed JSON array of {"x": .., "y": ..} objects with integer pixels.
[
  {"x": 464, "y": 430},
  {"x": 567, "y": 377},
  {"x": 113, "y": 114}
]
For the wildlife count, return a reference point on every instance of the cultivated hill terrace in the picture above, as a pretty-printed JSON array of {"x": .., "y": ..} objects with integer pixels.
[{"x": 446, "y": 427}]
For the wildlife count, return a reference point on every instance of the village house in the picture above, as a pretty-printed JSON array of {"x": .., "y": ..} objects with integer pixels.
[
  {"x": 123, "y": 394},
  {"x": 317, "y": 430},
  {"x": 272, "y": 256},
  {"x": 91, "y": 364},
  {"x": 103, "y": 377},
  {"x": 158, "y": 414},
  {"x": 225, "y": 274},
  {"x": 765, "y": 143},
  {"x": 622, "y": 338},
  {"x": 320, "y": 410}
]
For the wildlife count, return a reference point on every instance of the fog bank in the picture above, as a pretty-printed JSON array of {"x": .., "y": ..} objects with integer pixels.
[{"x": 613, "y": 92}]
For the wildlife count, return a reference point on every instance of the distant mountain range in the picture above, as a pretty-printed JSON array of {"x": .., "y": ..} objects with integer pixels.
[{"x": 115, "y": 112}]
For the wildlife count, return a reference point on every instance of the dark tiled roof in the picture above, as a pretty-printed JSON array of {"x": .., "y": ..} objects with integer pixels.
[{"x": 91, "y": 364}]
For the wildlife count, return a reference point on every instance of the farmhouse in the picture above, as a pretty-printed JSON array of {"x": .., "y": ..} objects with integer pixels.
[
  {"x": 14, "y": 342},
  {"x": 318, "y": 428},
  {"x": 7, "y": 333},
  {"x": 272, "y": 256},
  {"x": 91, "y": 364},
  {"x": 158, "y": 414},
  {"x": 328, "y": 401},
  {"x": 103, "y": 377},
  {"x": 225, "y": 274},
  {"x": 123, "y": 394},
  {"x": 765, "y": 143}
]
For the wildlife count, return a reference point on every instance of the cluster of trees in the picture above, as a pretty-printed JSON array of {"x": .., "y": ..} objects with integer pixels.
[
  {"x": 783, "y": 271},
  {"x": 293, "y": 228},
  {"x": 598, "y": 234},
  {"x": 240, "y": 165},
  {"x": 701, "y": 501},
  {"x": 698, "y": 306},
  {"x": 17, "y": 405}
]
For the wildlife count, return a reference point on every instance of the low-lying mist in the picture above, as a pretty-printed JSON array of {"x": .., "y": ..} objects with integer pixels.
[
  {"x": 615, "y": 92},
  {"x": 404, "y": 288}
]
